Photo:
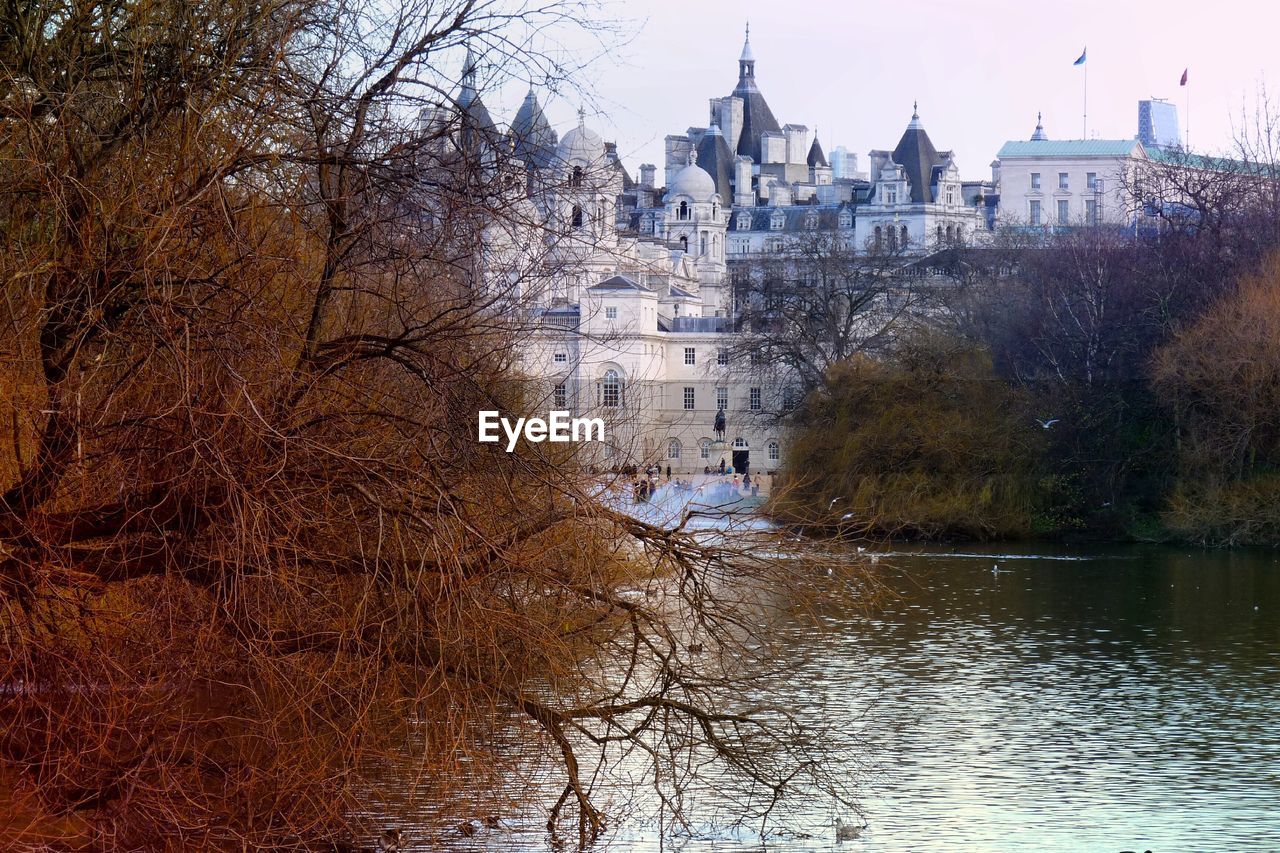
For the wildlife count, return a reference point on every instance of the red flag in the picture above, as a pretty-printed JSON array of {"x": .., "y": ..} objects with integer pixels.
[{"x": 1183, "y": 82}]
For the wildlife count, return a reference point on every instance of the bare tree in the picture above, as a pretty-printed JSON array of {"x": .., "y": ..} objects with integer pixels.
[
  {"x": 255, "y": 572},
  {"x": 821, "y": 301}
]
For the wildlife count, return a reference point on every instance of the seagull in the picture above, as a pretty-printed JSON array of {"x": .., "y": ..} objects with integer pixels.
[
  {"x": 846, "y": 516},
  {"x": 995, "y": 568},
  {"x": 875, "y": 558},
  {"x": 833, "y": 503},
  {"x": 1048, "y": 423}
]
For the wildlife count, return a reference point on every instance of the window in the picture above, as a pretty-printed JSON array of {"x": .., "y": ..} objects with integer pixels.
[
  {"x": 561, "y": 358},
  {"x": 690, "y": 355},
  {"x": 704, "y": 448},
  {"x": 577, "y": 216},
  {"x": 611, "y": 312},
  {"x": 740, "y": 443},
  {"x": 755, "y": 399},
  {"x": 878, "y": 237},
  {"x": 939, "y": 234},
  {"x": 1091, "y": 211},
  {"x": 1035, "y": 180},
  {"x": 722, "y": 357},
  {"x": 905, "y": 239},
  {"x": 722, "y": 398},
  {"x": 1063, "y": 183},
  {"x": 703, "y": 244},
  {"x": 560, "y": 397},
  {"x": 774, "y": 455},
  {"x": 575, "y": 180},
  {"x": 891, "y": 195},
  {"x": 893, "y": 239},
  {"x": 811, "y": 221},
  {"x": 779, "y": 219},
  {"x": 951, "y": 194},
  {"x": 1091, "y": 180},
  {"x": 612, "y": 388},
  {"x": 684, "y": 244},
  {"x": 950, "y": 234},
  {"x": 846, "y": 219},
  {"x": 673, "y": 448},
  {"x": 688, "y": 396},
  {"x": 684, "y": 210},
  {"x": 1064, "y": 211},
  {"x": 744, "y": 221},
  {"x": 1035, "y": 212}
]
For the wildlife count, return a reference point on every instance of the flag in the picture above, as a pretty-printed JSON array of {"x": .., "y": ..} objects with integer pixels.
[
  {"x": 1183, "y": 82},
  {"x": 1080, "y": 61}
]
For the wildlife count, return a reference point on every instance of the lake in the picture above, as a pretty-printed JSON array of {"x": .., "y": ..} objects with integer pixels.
[{"x": 1105, "y": 698}]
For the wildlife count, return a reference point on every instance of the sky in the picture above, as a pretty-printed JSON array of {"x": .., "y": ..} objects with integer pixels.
[{"x": 980, "y": 69}]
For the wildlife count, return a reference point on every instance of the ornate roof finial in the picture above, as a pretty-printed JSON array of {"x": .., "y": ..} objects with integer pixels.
[
  {"x": 693, "y": 156},
  {"x": 747, "y": 55},
  {"x": 1039, "y": 134},
  {"x": 915, "y": 109}
]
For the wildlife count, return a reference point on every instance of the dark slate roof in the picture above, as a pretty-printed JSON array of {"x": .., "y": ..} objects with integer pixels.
[
  {"x": 795, "y": 216},
  {"x": 619, "y": 282},
  {"x": 680, "y": 292},
  {"x": 757, "y": 118},
  {"x": 716, "y": 159},
  {"x": 916, "y": 154},
  {"x": 816, "y": 156},
  {"x": 533, "y": 139}
]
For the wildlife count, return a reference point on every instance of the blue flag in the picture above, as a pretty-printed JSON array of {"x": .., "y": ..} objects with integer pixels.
[{"x": 1080, "y": 61}]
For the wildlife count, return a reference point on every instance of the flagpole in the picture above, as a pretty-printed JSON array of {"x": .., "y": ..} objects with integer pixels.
[
  {"x": 1188, "y": 104},
  {"x": 1085, "y": 121}
]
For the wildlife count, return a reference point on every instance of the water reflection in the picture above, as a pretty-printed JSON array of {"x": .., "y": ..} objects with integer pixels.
[{"x": 1112, "y": 699}]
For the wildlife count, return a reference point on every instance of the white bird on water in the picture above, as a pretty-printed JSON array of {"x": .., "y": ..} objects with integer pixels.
[
  {"x": 995, "y": 568},
  {"x": 1048, "y": 423}
]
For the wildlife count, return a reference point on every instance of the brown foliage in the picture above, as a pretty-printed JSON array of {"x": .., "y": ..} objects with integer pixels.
[
  {"x": 255, "y": 572},
  {"x": 1221, "y": 378}
]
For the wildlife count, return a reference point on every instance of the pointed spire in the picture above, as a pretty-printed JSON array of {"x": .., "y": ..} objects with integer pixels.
[
  {"x": 747, "y": 61},
  {"x": 915, "y": 123},
  {"x": 1039, "y": 135}
]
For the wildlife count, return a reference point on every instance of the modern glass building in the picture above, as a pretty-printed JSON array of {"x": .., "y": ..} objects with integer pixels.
[{"x": 1158, "y": 124}]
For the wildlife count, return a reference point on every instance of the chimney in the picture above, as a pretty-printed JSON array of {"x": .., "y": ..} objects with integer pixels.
[{"x": 647, "y": 172}]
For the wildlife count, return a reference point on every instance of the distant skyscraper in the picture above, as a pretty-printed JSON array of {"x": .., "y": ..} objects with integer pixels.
[
  {"x": 1158, "y": 124},
  {"x": 844, "y": 164}
]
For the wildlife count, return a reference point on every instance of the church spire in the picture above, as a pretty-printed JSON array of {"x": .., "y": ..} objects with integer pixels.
[{"x": 747, "y": 61}]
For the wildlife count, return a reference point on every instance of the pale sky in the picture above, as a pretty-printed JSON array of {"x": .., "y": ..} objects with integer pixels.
[{"x": 981, "y": 69}]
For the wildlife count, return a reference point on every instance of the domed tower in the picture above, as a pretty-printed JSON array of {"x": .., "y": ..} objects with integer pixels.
[
  {"x": 587, "y": 188},
  {"x": 696, "y": 222}
]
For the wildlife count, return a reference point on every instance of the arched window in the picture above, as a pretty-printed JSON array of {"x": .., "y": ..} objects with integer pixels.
[
  {"x": 673, "y": 448},
  {"x": 684, "y": 244},
  {"x": 611, "y": 397},
  {"x": 959, "y": 233},
  {"x": 740, "y": 443},
  {"x": 684, "y": 210},
  {"x": 703, "y": 244},
  {"x": 950, "y": 234},
  {"x": 704, "y": 448},
  {"x": 939, "y": 233},
  {"x": 577, "y": 216},
  {"x": 575, "y": 180},
  {"x": 715, "y": 245},
  {"x": 905, "y": 239},
  {"x": 774, "y": 454},
  {"x": 893, "y": 239},
  {"x": 877, "y": 236}
]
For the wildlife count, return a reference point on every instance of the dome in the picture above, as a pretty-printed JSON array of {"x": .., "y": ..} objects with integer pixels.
[
  {"x": 581, "y": 144},
  {"x": 693, "y": 181}
]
